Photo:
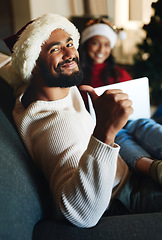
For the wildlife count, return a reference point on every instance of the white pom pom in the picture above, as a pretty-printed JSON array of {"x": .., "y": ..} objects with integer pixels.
[{"x": 122, "y": 35}]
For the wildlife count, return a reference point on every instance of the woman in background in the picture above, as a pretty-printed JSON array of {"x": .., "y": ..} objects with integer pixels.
[{"x": 98, "y": 64}]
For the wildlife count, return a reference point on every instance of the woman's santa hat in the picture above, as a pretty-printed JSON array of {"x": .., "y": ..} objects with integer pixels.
[
  {"x": 102, "y": 27},
  {"x": 26, "y": 44},
  {"x": 99, "y": 29}
]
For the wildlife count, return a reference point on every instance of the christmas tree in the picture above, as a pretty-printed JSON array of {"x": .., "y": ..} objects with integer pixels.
[{"x": 148, "y": 60}]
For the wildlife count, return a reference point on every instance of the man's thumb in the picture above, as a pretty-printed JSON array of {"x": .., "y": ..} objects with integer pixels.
[{"x": 90, "y": 90}]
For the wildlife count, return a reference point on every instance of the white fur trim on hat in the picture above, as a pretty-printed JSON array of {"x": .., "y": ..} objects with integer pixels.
[
  {"x": 28, "y": 47},
  {"x": 99, "y": 29}
]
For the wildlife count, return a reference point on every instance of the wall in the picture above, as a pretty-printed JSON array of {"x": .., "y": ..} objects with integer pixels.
[
  {"x": 119, "y": 11},
  {"x": 21, "y": 13},
  {"x": 140, "y": 10},
  {"x": 25, "y": 10},
  {"x": 95, "y": 7},
  {"x": 6, "y": 27},
  {"x": 130, "y": 14}
]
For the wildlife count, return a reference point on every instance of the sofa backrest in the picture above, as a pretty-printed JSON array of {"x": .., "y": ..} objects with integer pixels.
[{"x": 24, "y": 193}]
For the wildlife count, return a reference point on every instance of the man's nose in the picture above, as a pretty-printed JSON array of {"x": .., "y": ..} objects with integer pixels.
[{"x": 68, "y": 53}]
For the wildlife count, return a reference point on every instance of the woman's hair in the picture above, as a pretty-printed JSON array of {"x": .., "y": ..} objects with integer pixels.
[{"x": 86, "y": 63}]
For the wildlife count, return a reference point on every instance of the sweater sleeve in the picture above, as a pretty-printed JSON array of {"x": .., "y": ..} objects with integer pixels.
[{"x": 85, "y": 194}]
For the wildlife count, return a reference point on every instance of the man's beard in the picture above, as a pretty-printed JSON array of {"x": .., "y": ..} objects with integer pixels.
[{"x": 61, "y": 80}]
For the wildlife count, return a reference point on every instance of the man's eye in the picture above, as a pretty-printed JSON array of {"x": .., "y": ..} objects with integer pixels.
[
  {"x": 54, "y": 50},
  {"x": 70, "y": 45}
]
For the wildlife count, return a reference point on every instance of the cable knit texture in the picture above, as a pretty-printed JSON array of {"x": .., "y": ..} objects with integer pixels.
[{"x": 80, "y": 169}]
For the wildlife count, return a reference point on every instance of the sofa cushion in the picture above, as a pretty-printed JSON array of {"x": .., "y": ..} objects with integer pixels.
[
  {"x": 136, "y": 226},
  {"x": 24, "y": 193}
]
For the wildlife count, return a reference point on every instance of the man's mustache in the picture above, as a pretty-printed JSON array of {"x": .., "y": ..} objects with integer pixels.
[{"x": 58, "y": 69}]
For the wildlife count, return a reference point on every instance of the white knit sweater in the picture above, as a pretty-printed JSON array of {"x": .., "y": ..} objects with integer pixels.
[{"x": 80, "y": 169}]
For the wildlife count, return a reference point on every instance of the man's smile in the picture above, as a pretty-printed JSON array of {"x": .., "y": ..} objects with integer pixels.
[{"x": 70, "y": 65}]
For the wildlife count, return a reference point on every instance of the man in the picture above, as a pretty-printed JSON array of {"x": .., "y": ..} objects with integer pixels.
[{"x": 78, "y": 158}]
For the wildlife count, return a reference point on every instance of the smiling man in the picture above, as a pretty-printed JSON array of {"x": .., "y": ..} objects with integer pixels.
[
  {"x": 78, "y": 158},
  {"x": 56, "y": 70}
]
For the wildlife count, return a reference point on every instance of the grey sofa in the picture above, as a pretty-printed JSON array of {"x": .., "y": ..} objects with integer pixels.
[{"x": 26, "y": 210}]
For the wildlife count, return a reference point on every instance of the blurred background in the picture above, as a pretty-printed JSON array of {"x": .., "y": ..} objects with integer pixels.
[
  {"x": 129, "y": 14},
  {"x": 140, "y": 53}
]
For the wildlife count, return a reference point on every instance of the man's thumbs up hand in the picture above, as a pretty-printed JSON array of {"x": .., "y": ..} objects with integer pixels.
[{"x": 112, "y": 109}]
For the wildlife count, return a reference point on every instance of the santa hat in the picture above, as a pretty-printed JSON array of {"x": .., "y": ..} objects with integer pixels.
[
  {"x": 26, "y": 44},
  {"x": 99, "y": 29}
]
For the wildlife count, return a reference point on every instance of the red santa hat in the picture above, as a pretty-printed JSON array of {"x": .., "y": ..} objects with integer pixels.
[{"x": 26, "y": 44}]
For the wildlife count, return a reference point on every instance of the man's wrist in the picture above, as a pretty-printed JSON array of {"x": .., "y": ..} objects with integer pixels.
[{"x": 111, "y": 144}]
